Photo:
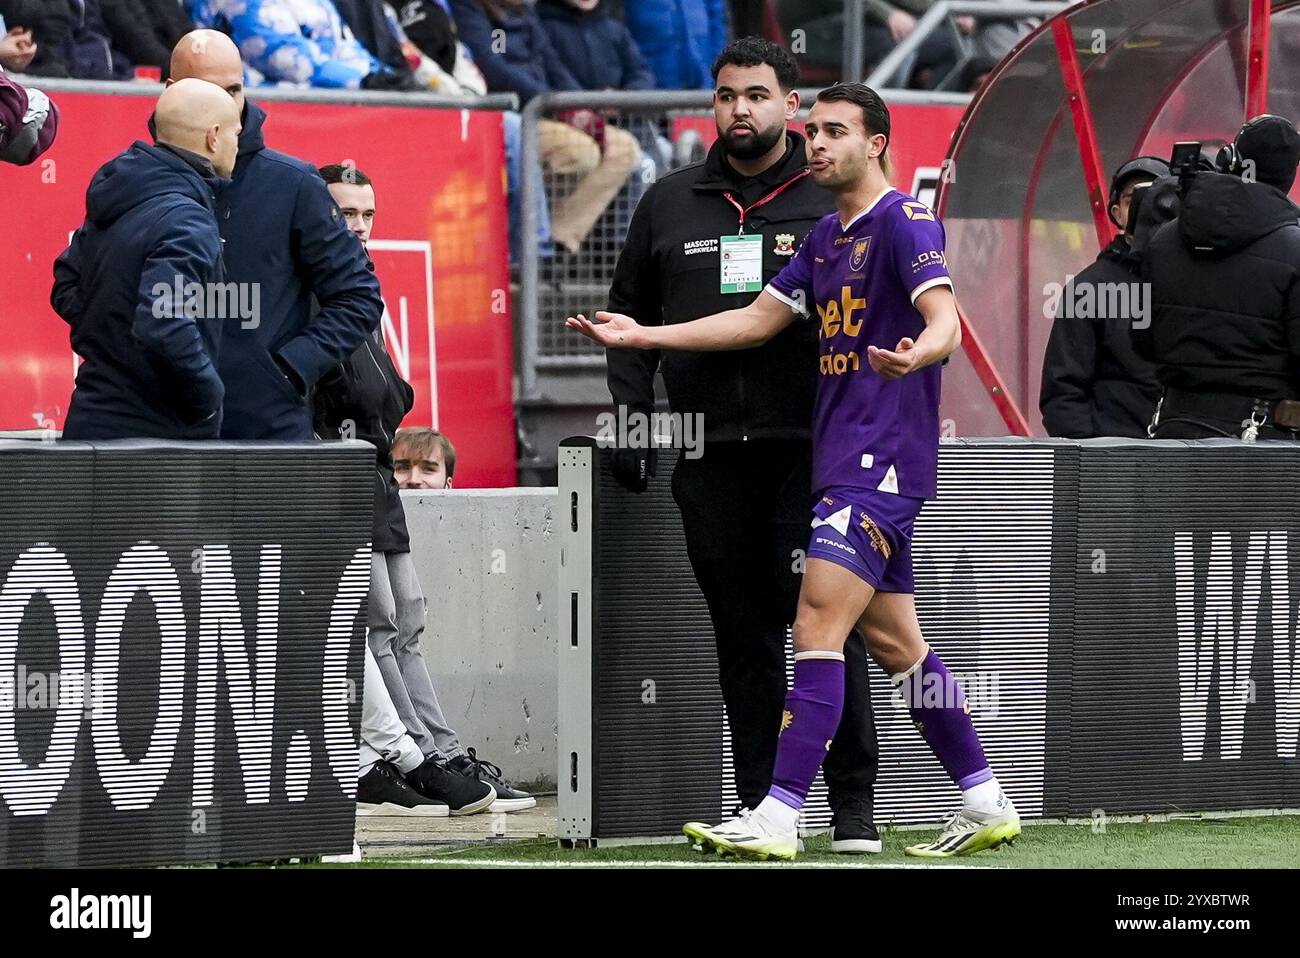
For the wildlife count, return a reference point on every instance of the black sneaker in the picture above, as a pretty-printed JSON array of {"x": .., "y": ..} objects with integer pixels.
[
  {"x": 853, "y": 832},
  {"x": 508, "y": 798},
  {"x": 464, "y": 796},
  {"x": 383, "y": 791}
]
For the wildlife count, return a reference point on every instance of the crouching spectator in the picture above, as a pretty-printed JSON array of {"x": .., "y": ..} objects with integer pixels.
[
  {"x": 423, "y": 458},
  {"x": 366, "y": 398}
]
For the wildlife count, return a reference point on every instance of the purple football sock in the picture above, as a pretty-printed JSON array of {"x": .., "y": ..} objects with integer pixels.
[
  {"x": 941, "y": 714},
  {"x": 812, "y": 714}
]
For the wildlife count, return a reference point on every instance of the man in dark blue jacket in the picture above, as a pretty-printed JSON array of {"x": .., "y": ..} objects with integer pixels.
[
  {"x": 136, "y": 282},
  {"x": 597, "y": 48},
  {"x": 510, "y": 46},
  {"x": 283, "y": 234}
]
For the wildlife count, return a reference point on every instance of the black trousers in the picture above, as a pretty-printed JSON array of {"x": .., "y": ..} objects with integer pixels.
[{"x": 745, "y": 510}]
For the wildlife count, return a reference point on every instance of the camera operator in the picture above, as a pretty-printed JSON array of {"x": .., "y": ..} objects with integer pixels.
[
  {"x": 1225, "y": 293},
  {"x": 1093, "y": 382}
]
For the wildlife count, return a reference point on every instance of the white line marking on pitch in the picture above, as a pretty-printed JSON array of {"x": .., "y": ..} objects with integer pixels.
[{"x": 507, "y": 863}]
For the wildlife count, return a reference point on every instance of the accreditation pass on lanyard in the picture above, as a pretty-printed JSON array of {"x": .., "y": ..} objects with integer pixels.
[
  {"x": 741, "y": 256},
  {"x": 742, "y": 264}
]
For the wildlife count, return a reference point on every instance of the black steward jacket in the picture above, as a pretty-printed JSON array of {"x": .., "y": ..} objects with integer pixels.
[{"x": 668, "y": 272}]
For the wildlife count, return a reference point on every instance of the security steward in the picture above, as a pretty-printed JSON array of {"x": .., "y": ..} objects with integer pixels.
[
  {"x": 707, "y": 238},
  {"x": 1225, "y": 293}
]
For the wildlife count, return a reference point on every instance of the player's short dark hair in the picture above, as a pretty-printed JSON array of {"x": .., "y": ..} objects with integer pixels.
[
  {"x": 755, "y": 52},
  {"x": 875, "y": 114},
  {"x": 343, "y": 173},
  {"x": 419, "y": 442}
]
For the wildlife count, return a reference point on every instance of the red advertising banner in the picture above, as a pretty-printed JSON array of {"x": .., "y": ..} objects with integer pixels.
[{"x": 439, "y": 246}]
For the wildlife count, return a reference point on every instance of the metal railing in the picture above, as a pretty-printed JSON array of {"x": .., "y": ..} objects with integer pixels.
[
  {"x": 896, "y": 65},
  {"x": 433, "y": 101}
]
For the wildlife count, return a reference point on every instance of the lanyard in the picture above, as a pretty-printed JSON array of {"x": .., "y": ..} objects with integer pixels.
[{"x": 744, "y": 210}]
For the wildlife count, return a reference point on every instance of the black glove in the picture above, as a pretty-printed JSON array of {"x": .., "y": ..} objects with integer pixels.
[{"x": 632, "y": 468}]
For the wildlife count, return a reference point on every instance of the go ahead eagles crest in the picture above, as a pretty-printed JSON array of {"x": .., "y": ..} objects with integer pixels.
[
  {"x": 858, "y": 258},
  {"x": 784, "y": 244}
]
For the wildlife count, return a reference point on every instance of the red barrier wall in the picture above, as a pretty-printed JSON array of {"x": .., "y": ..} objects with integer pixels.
[{"x": 439, "y": 247}]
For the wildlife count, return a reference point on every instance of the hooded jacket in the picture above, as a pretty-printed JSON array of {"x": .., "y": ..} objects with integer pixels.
[
  {"x": 668, "y": 272},
  {"x": 1225, "y": 291},
  {"x": 1094, "y": 384},
  {"x": 284, "y": 235},
  {"x": 148, "y": 369}
]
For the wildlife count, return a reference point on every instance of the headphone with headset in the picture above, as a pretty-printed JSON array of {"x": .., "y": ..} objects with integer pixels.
[{"x": 1229, "y": 158}]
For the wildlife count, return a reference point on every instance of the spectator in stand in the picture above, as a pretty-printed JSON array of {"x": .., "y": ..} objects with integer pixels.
[
  {"x": 432, "y": 46},
  {"x": 679, "y": 38},
  {"x": 17, "y": 47},
  {"x": 72, "y": 39},
  {"x": 994, "y": 39},
  {"x": 598, "y": 50},
  {"x": 299, "y": 43},
  {"x": 29, "y": 121},
  {"x": 48, "y": 24},
  {"x": 887, "y": 24},
  {"x": 747, "y": 18},
  {"x": 511, "y": 47},
  {"x": 146, "y": 30},
  {"x": 602, "y": 55},
  {"x": 423, "y": 458}
]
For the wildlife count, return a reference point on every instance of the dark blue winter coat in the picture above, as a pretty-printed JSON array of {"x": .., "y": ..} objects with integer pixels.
[
  {"x": 518, "y": 60},
  {"x": 283, "y": 233},
  {"x": 679, "y": 38},
  {"x": 148, "y": 369},
  {"x": 597, "y": 49}
]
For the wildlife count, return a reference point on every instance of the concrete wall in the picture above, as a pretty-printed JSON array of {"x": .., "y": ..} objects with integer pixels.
[{"x": 488, "y": 561}]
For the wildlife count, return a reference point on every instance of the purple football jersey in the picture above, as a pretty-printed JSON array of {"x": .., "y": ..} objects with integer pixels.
[{"x": 870, "y": 432}]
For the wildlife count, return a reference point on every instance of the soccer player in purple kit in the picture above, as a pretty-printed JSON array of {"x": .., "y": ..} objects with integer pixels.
[{"x": 876, "y": 274}]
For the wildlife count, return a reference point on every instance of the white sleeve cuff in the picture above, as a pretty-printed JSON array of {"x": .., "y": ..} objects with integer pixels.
[
  {"x": 777, "y": 294},
  {"x": 930, "y": 284}
]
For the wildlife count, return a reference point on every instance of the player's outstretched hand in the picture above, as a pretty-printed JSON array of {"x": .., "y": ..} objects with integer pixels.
[
  {"x": 895, "y": 363},
  {"x": 611, "y": 330}
]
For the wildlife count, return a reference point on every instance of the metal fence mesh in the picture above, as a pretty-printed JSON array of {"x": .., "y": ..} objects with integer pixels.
[{"x": 595, "y": 169}]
